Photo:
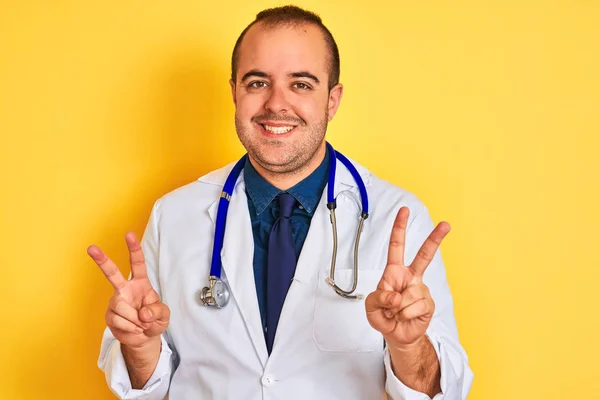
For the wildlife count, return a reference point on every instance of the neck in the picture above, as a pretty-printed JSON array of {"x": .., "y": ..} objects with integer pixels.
[{"x": 286, "y": 180}]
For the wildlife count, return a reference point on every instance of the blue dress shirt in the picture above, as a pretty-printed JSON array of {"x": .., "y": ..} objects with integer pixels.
[{"x": 264, "y": 212}]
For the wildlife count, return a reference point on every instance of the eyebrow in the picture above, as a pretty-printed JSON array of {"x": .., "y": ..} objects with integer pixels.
[
  {"x": 261, "y": 74},
  {"x": 304, "y": 74},
  {"x": 254, "y": 72}
]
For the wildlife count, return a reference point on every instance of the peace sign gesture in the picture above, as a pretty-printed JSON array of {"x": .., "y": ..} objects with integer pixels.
[
  {"x": 135, "y": 314},
  {"x": 401, "y": 307}
]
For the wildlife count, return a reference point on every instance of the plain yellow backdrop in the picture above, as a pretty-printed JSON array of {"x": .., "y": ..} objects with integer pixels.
[{"x": 487, "y": 110}]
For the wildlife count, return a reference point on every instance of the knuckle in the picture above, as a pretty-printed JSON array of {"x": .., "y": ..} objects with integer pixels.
[
  {"x": 103, "y": 261},
  {"x": 137, "y": 263},
  {"x": 434, "y": 241},
  {"x": 161, "y": 310},
  {"x": 113, "y": 301},
  {"x": 398, "y": 224},
  {"x": 111, "y": 271},
  {"x": 424, "y": 255},
  {"x": 396, "y": 243},
  {"x": 120, "y": 302},
  {"x": 116, "y": 333},
  {"x": 111, "y": 319},
  {"x": 437, "y": 239},
  {"x": 373, "y": 298},
  {"x": 385, "y": 298},
  {"x": 119, "y": 305}
]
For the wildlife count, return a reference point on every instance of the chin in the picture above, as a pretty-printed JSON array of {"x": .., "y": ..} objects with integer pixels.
[{"x": 276, "y": 160}]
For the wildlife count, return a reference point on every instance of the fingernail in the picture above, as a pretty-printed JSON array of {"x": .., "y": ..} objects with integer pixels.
[
  {"x": 148, "y": 313},
  {"x": 139, "y": 330},
  {"x": 388, "y": 313}
]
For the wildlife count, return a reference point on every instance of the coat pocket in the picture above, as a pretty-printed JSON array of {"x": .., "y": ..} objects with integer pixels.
[{"x": 340, "y": 325}]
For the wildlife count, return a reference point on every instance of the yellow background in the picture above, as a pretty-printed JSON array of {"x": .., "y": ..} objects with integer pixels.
[{"x": 488, "y": 111}]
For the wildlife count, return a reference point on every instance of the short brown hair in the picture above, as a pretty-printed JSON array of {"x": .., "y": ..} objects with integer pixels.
[{"x": 292, "y": 15}]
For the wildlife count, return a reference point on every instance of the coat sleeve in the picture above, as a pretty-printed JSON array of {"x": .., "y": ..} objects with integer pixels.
[
  {"x": 456, "y": 376},
  {"x": 111, "y": 360}
]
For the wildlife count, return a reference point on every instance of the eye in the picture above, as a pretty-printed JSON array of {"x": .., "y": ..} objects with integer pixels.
[
  {"x": 301, "y": 85},
  {"x": 257, "y": 84}
]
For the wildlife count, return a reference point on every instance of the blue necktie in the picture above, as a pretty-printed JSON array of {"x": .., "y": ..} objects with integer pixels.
[{"x": 281, "y": 264}]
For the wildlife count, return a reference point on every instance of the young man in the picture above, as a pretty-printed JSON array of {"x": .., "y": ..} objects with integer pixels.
[{"x": 285, "y": 332}]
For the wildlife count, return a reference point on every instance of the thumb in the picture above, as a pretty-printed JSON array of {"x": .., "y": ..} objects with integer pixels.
[
  {"x": 382, "y": 299},
  {"x": 157, "y": 315}
]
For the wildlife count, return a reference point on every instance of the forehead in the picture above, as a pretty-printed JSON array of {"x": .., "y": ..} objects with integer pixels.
[{"x": 283, "y": 49}]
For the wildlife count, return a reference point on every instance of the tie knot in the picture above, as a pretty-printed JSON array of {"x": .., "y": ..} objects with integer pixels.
[{"x": 286, "y": 205}]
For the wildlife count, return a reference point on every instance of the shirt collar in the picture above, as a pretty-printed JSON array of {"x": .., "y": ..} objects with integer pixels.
[{"x": 307, "y": 192}]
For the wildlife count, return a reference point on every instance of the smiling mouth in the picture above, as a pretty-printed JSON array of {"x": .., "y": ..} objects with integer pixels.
[{"x": 277, "y": 130}]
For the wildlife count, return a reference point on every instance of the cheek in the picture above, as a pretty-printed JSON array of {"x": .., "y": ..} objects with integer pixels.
[
  {"x": 311, "y": 110},
  {"x": 248, "y": 106}
]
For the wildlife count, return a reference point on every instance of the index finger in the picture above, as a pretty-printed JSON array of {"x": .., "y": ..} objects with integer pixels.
[
  {"x": 428, "y": 249},
  {"x": 108, "y": 267},
  {"x": 398, "y": 238},
  {"x": 136, "y": 256}
]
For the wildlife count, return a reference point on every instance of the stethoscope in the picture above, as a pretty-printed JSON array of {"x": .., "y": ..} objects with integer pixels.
[{"x": 217, "y": 294}]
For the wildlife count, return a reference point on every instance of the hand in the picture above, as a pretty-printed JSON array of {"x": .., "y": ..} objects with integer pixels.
[
  {"x": 135, "y": 314},
  {"x": 401, "y": 307}
]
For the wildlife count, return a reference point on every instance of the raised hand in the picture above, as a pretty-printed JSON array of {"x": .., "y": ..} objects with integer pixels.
[
  {"x": 401, "y": 307},
  {"x": 135, "y": 314}
]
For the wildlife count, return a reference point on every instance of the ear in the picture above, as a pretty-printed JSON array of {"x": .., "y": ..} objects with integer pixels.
[
  {"x": 335, "y": 97},
  {"x": 232, "y": 85}
]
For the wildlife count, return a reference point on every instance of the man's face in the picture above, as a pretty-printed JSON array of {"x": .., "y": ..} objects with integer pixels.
[{"x": 281, "y": 95}]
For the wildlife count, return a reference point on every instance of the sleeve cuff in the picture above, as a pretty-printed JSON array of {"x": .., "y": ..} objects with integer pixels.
[
  {"x": 455, "y": 386},
  {"x": 113, "y": 364}
]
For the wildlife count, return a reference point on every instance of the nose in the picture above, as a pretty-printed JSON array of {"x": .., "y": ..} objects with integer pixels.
[{"x": 277, "y": 102}]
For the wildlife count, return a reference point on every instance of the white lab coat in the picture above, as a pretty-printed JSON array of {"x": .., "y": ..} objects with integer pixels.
[{"x": 324, "y": 347}]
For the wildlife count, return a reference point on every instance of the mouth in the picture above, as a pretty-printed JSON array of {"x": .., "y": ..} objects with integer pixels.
[{"x": 278, "y": 130}]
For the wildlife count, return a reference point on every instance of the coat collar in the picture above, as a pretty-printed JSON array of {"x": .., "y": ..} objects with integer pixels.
[
  {"x": 306, "y": 192},
  {"x": 343, "y": 181}
]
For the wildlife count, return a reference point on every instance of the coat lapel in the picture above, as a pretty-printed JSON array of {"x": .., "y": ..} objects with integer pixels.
[{"x": 236, "y": 257}]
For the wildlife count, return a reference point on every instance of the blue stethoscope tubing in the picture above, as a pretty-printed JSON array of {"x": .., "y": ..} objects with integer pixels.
[{"x": 220, "y": 289}]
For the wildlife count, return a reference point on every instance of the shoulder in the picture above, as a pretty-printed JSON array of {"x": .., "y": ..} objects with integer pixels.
[
  {"x": 197, "y": 194},
  {"x": 386, "y": 197},
  {"x": 395, "y": 195}
]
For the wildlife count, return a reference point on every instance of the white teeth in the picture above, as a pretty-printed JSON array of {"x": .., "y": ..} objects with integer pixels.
[{"x": 278, "y": 130}]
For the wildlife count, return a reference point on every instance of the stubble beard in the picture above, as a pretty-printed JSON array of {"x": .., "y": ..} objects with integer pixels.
[{"x": 295, "y": 157}]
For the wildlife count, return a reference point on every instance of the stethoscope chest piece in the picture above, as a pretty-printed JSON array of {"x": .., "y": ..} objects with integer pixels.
[{"x": 216, "y": 294}]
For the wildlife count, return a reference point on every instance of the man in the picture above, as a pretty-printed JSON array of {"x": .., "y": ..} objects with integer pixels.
[{"x": 402, "y": 340}]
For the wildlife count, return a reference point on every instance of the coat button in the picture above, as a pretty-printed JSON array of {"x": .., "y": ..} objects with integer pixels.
[{"x": 267, "y": 380}]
